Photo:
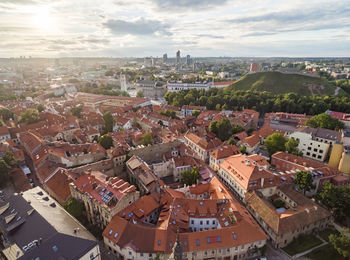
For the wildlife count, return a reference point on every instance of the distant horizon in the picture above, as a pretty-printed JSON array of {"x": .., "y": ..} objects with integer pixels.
[
  {"x": 200, "y": 28},
  {"x": 182, "y": 57}
]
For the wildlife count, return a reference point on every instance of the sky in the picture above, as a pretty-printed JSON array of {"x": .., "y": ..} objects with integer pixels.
[{"x": 201, "y": 28}]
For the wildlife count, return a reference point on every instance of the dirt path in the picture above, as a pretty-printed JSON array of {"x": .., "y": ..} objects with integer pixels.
[{"x": 336, "y": 92}]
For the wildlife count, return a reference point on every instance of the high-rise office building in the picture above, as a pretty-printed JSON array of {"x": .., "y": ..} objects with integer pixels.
[
  {"x": 188, "y": 60},
  {"x": 178, "y": 57},
  {"x": 165, "y": 57}
]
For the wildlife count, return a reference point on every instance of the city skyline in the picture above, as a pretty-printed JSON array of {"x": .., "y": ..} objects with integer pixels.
[{"x": 201, "y": 28}]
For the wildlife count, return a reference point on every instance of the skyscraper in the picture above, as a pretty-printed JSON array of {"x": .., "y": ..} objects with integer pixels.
[
  {"x": 178, "y": 57},
  {"x": 165, "y": 57},
  {"x": 188, "y": 60}
]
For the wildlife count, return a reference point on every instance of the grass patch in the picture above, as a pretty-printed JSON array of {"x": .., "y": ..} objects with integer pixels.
[
  {"x": 279, "y": 83},
  {"x": 325, "y": 233},
  {"x": 325, "y": 252},
  {"x": 302, "y": 243}
]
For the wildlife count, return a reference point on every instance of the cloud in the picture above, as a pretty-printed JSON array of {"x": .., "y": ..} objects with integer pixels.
[
  {"x": 210, "y": 36},
  {"x": 26, "y": 2},
  {"x": 293, "y": 20},
  {"x": 17, "y": 29},
  {"x": 140, "y": 26},
  {"x": 192, "y": 4}
]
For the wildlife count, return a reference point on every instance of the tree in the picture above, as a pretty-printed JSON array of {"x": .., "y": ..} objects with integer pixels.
[
  {"x": 4, "y": 173},
  {"x": 6, "y": 114},
  {"x": 40, "y": 108},
  {"x": 341, "y": 244},
  {"x": 2, "y": 122},
  {"x": 304, "y": 181},
  {"x": 292, "y": 146},
  {"x": 76, "y": 111},
  {"x": 139, "y": 94},
  {"x": 325, "y": 121},
  {"x": 275, "y": 142},
  {"x": 237, "y": 129},
  {"x": 213, "y": 127},
  {"x": 109, "y": 122},
  {"x": 30, "y": 116},
  {"x": 196, "y": 113},
  {"x": 337, "y": 199},
  {"x": 106, "y": 141},
  {"x": 243, "y": 149},
  {"x": 76, "y": 209},
  {"x": 224, "y": 129},
  {"x": 169, "y": 113},
  {"x": 190, "y": 177},
  {"x": 231, "y": 141},
  {"x": 9, "y": 158},
  {"x": 147, "y": 139}
]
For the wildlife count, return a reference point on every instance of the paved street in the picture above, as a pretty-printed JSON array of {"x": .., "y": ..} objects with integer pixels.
[{"x": 276, "y": 254}]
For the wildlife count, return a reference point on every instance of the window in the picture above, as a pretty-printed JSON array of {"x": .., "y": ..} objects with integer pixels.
[
  {"x": 315, "y": 150},
  {"x": 92, "y": 256},
  {"x": 309, "y": 148},
  {"x": 129, "y": 252},
  {"x": 201, "y": 222},
  {"x": 192, "y": 221},
  {"x": 150, "y": 254},
  {"x": 207, "y": 222},
  {"x": 320, "y": 151},
  {"x": 213, "y": 222},
  {"x": 308, "y": 153}
]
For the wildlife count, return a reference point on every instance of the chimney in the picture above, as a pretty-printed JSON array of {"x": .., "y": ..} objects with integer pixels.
[{"x": 262, "y": 182}]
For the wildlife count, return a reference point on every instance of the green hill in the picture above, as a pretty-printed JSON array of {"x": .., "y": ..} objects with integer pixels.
[{"x": 280, "y": 83}]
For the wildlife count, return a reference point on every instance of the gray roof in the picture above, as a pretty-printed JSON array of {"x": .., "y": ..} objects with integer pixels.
[
  {"x": 29, "y": 226},
  {"x": 323, "y": 133},
  {"x": 60, "y": 246}
]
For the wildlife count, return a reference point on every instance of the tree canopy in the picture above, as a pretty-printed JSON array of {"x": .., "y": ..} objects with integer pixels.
[
  {"x": 292, "y": 147},
  {"x": 4, "y": 173},
  {"x": 139, "y": 94},
  {"x": 168, "y": 113},
  {"x": 147, "y": 139},
  {"x": 40, "y": 108},
  {"x": 9, "y": 158},
  {"x": 76, "y": 111},
  {"x": 109, "y": 122},
  {"x": 337, "y": 199},
  {"x": 275, "y": 143},
  {"x": 304, "y": 181},
  {"x": 341, "y": 244},
  {"x": 190, "y": 177},
  {"x": 325, "y": 121},
  {"x": 223, "y": 129},
  {"x": 264, "y": 102},
  {"x": 106, "y": 141},
  {"x": 196, "y": 113},
  {"x": 76, "y": 209},
  {"x": 6, "y": 114},
  {"x": 30, "y": 116}
]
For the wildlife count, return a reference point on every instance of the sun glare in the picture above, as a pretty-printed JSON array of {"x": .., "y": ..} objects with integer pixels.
[{"x": 43, "y": 20}]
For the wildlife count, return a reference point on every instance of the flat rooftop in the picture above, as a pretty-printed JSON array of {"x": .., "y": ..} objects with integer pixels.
[{"x": 57, "y": 216}]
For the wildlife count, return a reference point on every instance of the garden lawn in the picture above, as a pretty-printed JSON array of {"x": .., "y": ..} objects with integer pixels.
[
  {"x": 325, "y": 233},
  {"x": 302, "y": 243},
  {"x": 325, "y": 252}
]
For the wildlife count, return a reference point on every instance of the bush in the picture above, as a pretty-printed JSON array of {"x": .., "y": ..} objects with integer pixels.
[{"x": 278, "y": 203}]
